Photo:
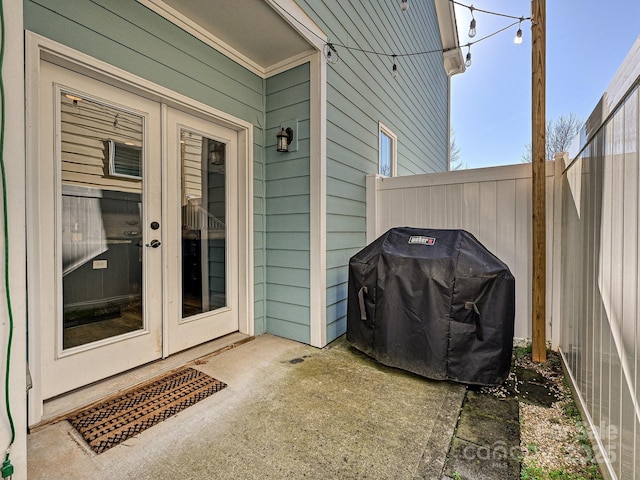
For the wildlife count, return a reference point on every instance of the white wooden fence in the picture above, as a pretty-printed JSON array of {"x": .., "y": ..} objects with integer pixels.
[
  {"x": 600, "y": 336},
  {"x": 493, "y": 204}
]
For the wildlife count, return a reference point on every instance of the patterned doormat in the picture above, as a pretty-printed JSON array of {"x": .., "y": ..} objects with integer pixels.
[{"x": 113, "y": 421}]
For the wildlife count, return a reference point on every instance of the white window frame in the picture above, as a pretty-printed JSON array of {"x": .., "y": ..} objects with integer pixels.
[{"x": 383, "y": 129}]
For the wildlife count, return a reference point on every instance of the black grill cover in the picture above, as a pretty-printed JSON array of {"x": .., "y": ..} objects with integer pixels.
[{"x": 433, "y": 302}]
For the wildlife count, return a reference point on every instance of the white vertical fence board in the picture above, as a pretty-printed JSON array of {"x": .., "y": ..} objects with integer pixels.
[
  {"x": 410, "y": 205},
  {"x": 423, "y": 197},
  {"x": 454, "y": 206},
  {"x": 488, "y": 214},
  {"x": 438, "y": 207},
  {"x": 470, "y": 210}
]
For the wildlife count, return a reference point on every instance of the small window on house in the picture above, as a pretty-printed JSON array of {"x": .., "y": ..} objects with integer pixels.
[
  {"x": 125, "y": 160},
  {"x": 387, "y": 152}
]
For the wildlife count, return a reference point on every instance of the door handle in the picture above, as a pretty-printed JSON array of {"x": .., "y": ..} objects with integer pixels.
[{"x": 154, "y": 243}]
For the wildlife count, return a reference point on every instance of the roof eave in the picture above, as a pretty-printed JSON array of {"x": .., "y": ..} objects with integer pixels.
[{"x": 452, "y": 54}]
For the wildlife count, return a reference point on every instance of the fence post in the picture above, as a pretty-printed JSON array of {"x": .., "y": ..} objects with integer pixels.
[
  {"x": 556, "y": 249},
  {"x": 538, "y": 200}
]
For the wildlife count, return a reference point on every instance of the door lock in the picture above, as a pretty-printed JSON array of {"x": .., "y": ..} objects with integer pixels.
[{"x": 154, "y": 243}]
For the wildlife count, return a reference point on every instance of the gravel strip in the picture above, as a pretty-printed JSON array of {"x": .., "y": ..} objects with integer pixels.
[{"x": 553, "y": 440}]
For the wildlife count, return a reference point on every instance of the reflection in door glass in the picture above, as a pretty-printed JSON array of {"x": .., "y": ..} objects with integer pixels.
[
  {"x": 101, "y": 152},
  {"x": 203, "y": 172}
]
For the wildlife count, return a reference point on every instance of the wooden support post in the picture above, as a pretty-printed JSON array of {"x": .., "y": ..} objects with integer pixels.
[{"x": 538, "y": 143}]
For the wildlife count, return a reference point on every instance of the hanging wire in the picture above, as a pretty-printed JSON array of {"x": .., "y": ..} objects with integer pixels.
[
  {"x": 498, "y": 14},
  {"x": 330, "y": 49}
]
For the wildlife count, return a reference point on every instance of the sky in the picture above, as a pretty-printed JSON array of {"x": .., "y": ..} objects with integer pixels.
[{"x": 587, "y": 40}]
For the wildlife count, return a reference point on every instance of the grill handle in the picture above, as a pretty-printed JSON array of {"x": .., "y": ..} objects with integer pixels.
[{"x": 361, "y": 293}]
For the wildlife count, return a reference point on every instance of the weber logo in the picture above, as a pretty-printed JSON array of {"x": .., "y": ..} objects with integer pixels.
[{"x": 422, "y": 240}]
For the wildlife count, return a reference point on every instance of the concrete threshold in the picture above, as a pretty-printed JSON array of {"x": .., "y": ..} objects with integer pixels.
[{"x": 61, "y": 406}]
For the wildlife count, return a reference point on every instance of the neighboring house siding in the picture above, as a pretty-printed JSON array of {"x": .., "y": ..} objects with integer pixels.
[
  {"x": 126, "y": 34},
  {"x": 362, "y": 92},
  {"x": 287, "y": 198}
]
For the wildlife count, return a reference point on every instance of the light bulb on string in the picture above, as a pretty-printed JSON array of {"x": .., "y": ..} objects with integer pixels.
[
  {"x": 472, "y": 25},
  {"x": 330, "y": 53},
  {"x": 404, "y": 5},
  {"x": 518, "y": 39},
  {"x": 467, "y": 62},
  {"x": 394, "y": 69}
]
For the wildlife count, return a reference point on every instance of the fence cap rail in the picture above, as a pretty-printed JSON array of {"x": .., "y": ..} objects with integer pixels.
[{"x": 488, "y": 174}]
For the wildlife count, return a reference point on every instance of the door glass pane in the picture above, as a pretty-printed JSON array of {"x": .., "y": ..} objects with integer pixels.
[
  {"x": 204, "y": 271},
  {"x": 101, "y": 151}
]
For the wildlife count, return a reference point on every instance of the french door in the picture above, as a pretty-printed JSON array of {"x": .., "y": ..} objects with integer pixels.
[
  {"x": 202, "y": 216},
  {"x": 136, "y": 230}
]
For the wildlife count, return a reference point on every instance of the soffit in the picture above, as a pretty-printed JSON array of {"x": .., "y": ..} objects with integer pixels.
[{"x": 250, "y": 31}]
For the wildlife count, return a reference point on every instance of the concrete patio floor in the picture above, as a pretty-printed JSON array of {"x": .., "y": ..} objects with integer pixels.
[{"x": 289, "y": 411}]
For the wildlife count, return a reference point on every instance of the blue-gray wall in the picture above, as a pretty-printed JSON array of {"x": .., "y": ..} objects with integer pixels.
[
  {"x": 287, "y": 197},
  {"x": 129, "y": 36},
  {"x": 362, "y": 92}
]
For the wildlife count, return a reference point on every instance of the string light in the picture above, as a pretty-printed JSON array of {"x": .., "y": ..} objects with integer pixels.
[
  {"x": 330, "y": 53},
  {"x": 518, "y": 39},
  {"x": 330, "y": 48},
  {"x": 472, "y": 25}
]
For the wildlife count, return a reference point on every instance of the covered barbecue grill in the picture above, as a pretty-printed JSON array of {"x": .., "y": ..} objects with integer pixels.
[{"x": 433, "y": 302}]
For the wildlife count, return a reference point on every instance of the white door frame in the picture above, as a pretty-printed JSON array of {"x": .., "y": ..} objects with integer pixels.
[{"x": 37, "y": 48}]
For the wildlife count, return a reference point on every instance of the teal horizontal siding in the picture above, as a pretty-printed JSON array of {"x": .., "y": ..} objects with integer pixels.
[
  {"x": 289, "y": 258},
  {"x": 284, "y": 328},
  {"x": 287, "y": 208},
  {"x": 361, "y": 92},
  {"x": 289, "y": 222},
  {"x": 337, "y": 258},
  {"x": 288, "y": 240},
  {"x": 126, "y": 34}
]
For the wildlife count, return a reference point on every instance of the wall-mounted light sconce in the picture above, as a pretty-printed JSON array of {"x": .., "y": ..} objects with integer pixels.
[
  {"x": 285, "y": 137},
  {"x": 217, "y": 152}
]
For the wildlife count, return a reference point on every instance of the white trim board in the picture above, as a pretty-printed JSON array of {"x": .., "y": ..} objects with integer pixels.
[
  {"x": 318, "y": 203},
  {"x": 14, "y": 157}
]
